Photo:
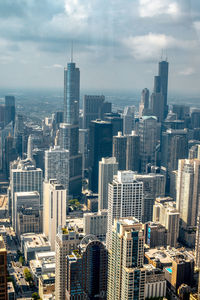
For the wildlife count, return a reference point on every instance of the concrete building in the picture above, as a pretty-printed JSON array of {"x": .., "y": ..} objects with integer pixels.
[
  {"x": 125, "y": 199},
  {"x": 108, "y": 167},
  {"x": 153, "y": 186},
  {"x": 126, "y": 275},
  {"x": 155, "y": 234},
  {"x": 165, "y": 212},
  {"x": 24, "y": 177},
  {"x": 197, "y": 244},
  {"x": 27, "y": 212},
  {"x": 95, "y": 224},
  {"x": 46, "y": 285},
  {"x": 67, "y": 240},
  {"x": 32, "y": 243},
  {"x": 57, "y": 165},
  {"x": 188, "y": 192},
  {"x": 148, "y": 140},
  {"x": 156, "y": 285},
  {"x": 54, "y": 215}
]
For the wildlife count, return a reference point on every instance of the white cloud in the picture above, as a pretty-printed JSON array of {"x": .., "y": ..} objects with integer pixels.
[
  {"x": 149, "y": 8},
  {"x": 57, "y": 66},
  {"x": 187, "y": 72},
  {"x": 151, "y": 45}
]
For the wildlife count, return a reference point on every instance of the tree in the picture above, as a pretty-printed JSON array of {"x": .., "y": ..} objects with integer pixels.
[
  {"x": 35, "y": 296},
  {"x": 21, "y": 260},
  {"x": 28, "y": 275}
]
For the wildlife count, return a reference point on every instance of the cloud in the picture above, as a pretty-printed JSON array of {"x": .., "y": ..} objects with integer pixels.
[
  {"x": 187, "y": 72},
  {"x": 150, "y": 46},
  {"x": 149, "y": 8},
  {"x": 57, "y": 66}
]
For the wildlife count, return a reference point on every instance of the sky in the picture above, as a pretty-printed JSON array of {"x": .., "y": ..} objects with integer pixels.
[{"x": 117, "y": 43}]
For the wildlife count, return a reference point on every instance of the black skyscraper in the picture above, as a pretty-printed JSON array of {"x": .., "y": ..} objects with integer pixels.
[
  {"x": 163, "y": 73},
  {"x": 100, "y": 145},
  {"x": 9, "y": 109}
]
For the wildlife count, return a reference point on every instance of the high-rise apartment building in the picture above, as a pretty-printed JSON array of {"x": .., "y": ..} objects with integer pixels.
[
  {"x": 96, "y": 224},
  {"x": 67, "y": 240},
  {"x": 69, "y": 130},
  {"x": 165, "y": 212},
  {"x": 100, "y": 145},
  {"x": 153, "y": 186},
  {"x": 148, "y": 140},
  {"x": 125, "y": 199},
  {"x": 57, "y": 165},
  {"x": 133, "y": 152},
  {"x": 126, "y": 277},
  {"x": 197, "y": 244},
  {"x": 188, "y": 191},
  {"x": 24, "y": 177},
  {"x": 54, "y": 214},
  {"x": 108, "y": 167}
]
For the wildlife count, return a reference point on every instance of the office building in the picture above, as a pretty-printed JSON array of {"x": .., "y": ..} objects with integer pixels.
[
  {"x": 108, "y": 167},
  {"x": 153, "y": 186},
  {"x": 155, "y": 234},
  {"x": 125, "y": 199},
  {"x": 24, "y": 177},
  {"x": 100, "y": 145},
  {"x": 157, "y": 106},
  {"x": 27, "y": 212},
  {"x": 195, "y": 118},
  {"x": 67, "y": 240},
  {"x": 3, "y": 266},
  {"x": 182, "y": 111},
  {"x": 84, "y": 148},
  {"x": 174, "y": 146},
  {"x": 163, "y": 74},
  {"x": 144, "y": 103},
  {"x": 9, "y": 109},
  {"x": 126, "y": 277},
  {"x": 96, "y": 224},
  {"x": 128, "y": 119},
  {"x": 133, "y": 152},
  {"x": 148, "y": 140},
  {"x": 156, "y": 285},
  {"x": 54, "y": 214},
  {"x": 165, "y": 212},
  {"x": 57, "y": 165},
  {"x": 46, "y": 286},
  {"x": 197, "y": 244},
  {"x": 188, "y": 191},
  {"x": 119, "y": 150},
  {"x": 116, "y": 120},
  {"x": 94, "y": 107}
]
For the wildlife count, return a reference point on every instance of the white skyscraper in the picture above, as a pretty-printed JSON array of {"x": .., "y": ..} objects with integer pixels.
[
  {"x": 108, "y": 167},
  {"x": 30, "y": 147},
  {"x": 54, "y": 214},
  {"x": 57, "y": 165},
  {"x": 188, "y": 191},
  {"x": 125, "y": 199},
  {"x": 24, "y": 177}
]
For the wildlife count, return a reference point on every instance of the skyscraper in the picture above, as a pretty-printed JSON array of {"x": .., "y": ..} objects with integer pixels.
[
  {"x": 188, "y": 191},
  {"x": 163, "y": 73},
  {"x": 133, "y": 152},
  {"x": 54, "y": 214},
  {"x": 9, "y": 109},
  {"x": 144, "y": 103},
  {"x": 126, "y": 277},
  {"x": 148, "y": 139},
  {"x": 69, "y": 130},
  {"x": 57, "y": 165},
  {"x": 3, "y": 266},
  {"x": 125, "y": 199},
  {"x": 119, "y": 150},
  {"x": 128, "y": 119},
  {"x": 108, "y": 167},
  {"x": 24, "y": 177},
  {"x": 100, "y": 145}
]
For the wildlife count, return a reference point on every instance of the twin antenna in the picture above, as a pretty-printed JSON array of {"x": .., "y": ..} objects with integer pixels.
[{"x": 162, "y": 54}]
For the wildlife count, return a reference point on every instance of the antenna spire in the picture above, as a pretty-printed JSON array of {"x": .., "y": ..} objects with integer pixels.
[{"x": 71, "y": 51}]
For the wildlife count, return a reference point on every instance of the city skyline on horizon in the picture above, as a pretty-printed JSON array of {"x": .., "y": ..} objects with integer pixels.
[{"x": 116, "y": 47}]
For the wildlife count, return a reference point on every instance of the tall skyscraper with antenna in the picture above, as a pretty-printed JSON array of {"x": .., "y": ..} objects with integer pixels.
[
  {"x": 163, "y": 68},
  {"x": 69, "y": 130}
]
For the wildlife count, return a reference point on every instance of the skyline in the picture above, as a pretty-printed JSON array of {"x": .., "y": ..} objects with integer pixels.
[{"x": 114, "y": 47}]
